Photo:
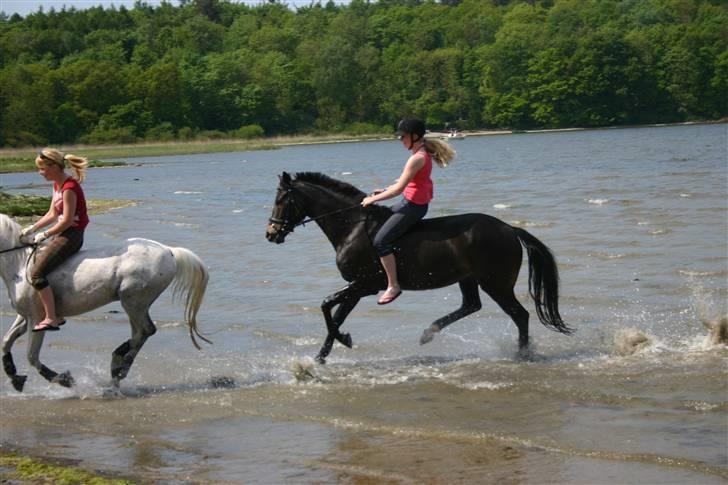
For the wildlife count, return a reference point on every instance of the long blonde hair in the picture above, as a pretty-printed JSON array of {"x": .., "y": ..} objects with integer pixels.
[
  {"x": 51, "y": 156},
  {"x": 441, "y": 152}
]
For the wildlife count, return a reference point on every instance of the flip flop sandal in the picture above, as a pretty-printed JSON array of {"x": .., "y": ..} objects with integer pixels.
[
  {"x": 388, "y": 299},
  {"x": 48, "y": 326}
]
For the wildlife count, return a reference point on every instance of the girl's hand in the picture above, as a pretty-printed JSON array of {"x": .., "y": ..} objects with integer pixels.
[
  {"x": 40, "y": 237},
  {"x": 377, "y": 191},
  {"x": 367, "y": 201}
]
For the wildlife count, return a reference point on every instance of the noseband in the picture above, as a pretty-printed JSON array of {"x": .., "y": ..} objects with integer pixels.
[{"x": 286, "y": 225}]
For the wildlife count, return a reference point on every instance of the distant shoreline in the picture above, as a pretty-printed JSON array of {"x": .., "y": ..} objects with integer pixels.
[
  {"x": 138, "y": 150},
  {"x": 561, "y": 130}
]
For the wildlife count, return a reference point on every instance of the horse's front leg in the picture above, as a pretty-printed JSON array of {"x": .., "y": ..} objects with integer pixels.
[
  {"x": 17, "y": 329},
  {"x": 35, "y": 342},
  {"x": 342, "y": 311},
  {"x": 346, "y": 298}
]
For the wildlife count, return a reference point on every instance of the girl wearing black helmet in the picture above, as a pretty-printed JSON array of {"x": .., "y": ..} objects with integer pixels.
[{"x": 416, "y": 184}]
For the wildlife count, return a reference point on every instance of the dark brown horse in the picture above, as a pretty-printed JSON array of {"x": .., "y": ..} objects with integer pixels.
[{"x": 469, "y": 249}]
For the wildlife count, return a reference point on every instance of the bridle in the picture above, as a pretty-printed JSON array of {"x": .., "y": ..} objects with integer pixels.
[{"x": 287, "y": 226}]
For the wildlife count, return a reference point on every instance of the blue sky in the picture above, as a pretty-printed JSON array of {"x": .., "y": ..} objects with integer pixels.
[{"x": 24, "y": 7}]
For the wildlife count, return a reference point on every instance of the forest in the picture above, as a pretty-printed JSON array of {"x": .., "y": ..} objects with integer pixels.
[{"x": 205, "y": 69}]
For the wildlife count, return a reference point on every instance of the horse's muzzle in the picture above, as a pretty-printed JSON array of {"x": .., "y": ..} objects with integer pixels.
[{"x": 274, "y": 233}]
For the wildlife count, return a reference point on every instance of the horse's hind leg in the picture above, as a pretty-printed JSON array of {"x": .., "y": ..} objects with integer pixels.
[
  {"x": 17, "y": 329},
  {"x": 471, "y": 304},
  {"x": 505, "y": 298},
  {"x": 123, "y": 356}
]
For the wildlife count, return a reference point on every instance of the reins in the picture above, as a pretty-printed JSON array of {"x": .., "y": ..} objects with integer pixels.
[
  {"x": 18, "y": 247},
  {"x": 321, "y": 216},
  {"x": 27, "y": 261}
]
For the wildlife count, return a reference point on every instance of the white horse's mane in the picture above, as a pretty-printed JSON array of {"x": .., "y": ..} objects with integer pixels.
[
  {"x": 10, "y": 238},
  {"x": 9, "y": 227}
]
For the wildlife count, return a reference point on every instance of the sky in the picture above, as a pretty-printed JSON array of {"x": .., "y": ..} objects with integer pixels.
[{"x": 24, "y": 7}]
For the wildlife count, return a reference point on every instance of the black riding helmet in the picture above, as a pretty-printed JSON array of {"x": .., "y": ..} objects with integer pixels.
[{"x": 412, "y": 126}]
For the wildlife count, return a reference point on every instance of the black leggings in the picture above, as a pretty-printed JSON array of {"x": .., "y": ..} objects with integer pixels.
[{"x": 406, "y": 213}]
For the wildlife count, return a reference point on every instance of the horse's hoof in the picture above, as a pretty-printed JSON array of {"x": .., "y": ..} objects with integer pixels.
[
  {"x": 321, "y": 359},
  {"x": 428, "y": 335},
  {"x": 18, "y": 382},
  {"x": 524, "y": 354},
  {"x": 64, "y": 379},
  {"x": 222, "y": 382},
  {"x": 113, "y": 392},
  {"x": 345, "y": 339}
]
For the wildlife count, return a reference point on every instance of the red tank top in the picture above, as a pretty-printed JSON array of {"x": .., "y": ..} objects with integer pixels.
[
  {"x": 420, "y": 189},
  {"x": 80, "y": 218}
]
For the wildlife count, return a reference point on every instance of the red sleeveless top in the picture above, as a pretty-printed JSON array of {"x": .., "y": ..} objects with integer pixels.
[
  {"x": 420, "y": 189},
  {"x": 80, "y": 218}
]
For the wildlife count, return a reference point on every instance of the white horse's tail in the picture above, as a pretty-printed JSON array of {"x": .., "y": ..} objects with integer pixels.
[{"x": 190, "y": 282}]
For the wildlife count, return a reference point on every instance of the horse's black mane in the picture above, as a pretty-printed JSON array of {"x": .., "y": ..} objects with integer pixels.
[
  {"x": 328, "y": 182},
  {"x": 379, "y": 212}
]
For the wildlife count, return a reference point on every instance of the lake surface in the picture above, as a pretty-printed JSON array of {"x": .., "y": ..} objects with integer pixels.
[{"x": 637, "y": 218}]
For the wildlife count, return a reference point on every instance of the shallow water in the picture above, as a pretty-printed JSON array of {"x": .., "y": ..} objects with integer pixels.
[{"x": 638, "y": 220}]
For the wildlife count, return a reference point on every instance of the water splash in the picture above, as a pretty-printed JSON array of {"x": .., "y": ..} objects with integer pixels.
[
  {"x": 628, "y": 341},
  {"x": 714, "y": 317}
]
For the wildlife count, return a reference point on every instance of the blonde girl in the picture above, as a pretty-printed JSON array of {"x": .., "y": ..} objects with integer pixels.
[
  {"x": 67, "y": 218},
  {"x": 416, "y": 185}
]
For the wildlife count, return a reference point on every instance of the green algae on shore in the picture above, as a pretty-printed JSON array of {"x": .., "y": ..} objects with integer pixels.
[
  {"x": 24, "y": 469},
  {"x": 29, "y": 207}
]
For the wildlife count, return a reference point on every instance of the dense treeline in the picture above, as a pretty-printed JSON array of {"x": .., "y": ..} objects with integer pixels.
[{"x": 205, "y": 68}]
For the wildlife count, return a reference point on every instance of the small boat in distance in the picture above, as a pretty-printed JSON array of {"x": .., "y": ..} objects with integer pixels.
[{"x": 454, "y": 135}]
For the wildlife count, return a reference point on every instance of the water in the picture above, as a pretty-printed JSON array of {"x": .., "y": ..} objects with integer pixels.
[{"x": 637, "y": 218}]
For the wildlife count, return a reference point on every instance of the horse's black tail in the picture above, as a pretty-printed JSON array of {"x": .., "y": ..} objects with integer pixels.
[{"x": 543, "y": 282}]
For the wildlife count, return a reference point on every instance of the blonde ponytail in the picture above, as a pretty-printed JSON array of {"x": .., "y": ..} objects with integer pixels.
[
  {"x": 78, "y": 164},
  {"x": 442, "y": 153},
  {"x": 51, "y": 156}
]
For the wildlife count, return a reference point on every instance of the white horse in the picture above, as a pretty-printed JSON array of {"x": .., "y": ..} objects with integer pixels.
[{"x": 134, "y": 272}]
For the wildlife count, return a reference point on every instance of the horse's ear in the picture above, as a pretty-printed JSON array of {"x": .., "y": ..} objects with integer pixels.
[{"x": 285, "y": 178}]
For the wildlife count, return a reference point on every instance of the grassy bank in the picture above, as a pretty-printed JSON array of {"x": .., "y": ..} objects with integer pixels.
[
  {"x": 27, "y": 164},
  {"x": 23, "y": 205},
  {"x": 29, "y": 207},
  {"x": 22, "y": 159},
  {"x": 23, "y": 469}
]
